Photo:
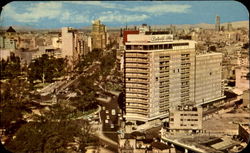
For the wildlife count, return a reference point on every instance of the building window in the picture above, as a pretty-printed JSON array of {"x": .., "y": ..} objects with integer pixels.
[
  {"x": 171, "y": 119},
  {"x": 156, "y": 78}
]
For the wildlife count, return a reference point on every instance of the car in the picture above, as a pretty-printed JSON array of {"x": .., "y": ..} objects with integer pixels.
[
  {"x": 107, "y": 111},
  {"x": 113, "y": 112},
  {"x": 108, "y": 117}
]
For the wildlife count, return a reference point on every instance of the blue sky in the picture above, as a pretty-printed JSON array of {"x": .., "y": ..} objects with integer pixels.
[{"x": 77, "y": 14}]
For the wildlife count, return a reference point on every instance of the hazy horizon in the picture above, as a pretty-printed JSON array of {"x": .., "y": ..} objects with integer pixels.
[{"x": 120, "y": 13}]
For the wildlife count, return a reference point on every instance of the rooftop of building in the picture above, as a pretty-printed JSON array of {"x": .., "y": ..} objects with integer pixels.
[
  {"x": 204, "y": 142},
  {"x": 187, "y": 108}
]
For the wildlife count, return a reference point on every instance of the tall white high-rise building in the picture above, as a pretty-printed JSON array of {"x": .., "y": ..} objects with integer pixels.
[{"x": 160, "y": 73}]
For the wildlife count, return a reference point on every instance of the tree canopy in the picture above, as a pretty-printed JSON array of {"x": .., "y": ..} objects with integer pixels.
[{"x": 46, "y": 68}]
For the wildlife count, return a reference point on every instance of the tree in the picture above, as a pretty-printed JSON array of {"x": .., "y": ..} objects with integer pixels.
[
  {"x": 52, "y": 132},
  {"x": 10, "y": 68},
  {"x": 46, "y": 68},
  {"x": 14, "y": 98}
]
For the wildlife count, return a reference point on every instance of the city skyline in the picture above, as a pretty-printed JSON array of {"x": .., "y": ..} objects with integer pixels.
[{"x": 117, "y": 13}]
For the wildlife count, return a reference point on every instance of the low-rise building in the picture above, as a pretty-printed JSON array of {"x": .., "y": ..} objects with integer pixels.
[
  {"x": 244, "y": 132},
  {"x": 185, "y": 119},
  {"x": 137, "y": 142}
]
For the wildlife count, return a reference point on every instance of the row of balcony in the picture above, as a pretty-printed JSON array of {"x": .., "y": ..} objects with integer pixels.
[
  {"x": 136, "y": 65},
  {"x": 164, "y": 100},
  {"x": 137, "y": 91},
  {"x": 164, "y": 90},
  {"x": 137, "y": 80},
  {"x": 164, "y": 79},
  {"x": 136, "y": 60},
  {"x": 129, "y": 95},
  {"x": 136, "y": 55},
  {"x": 164, "y": 71},
  {"x": 163, "y": 64},
  {"x": 134, "y": 85},
  {"x": 136, "y": 111},
  {"x": 164, "y": 74},
  {"x": 164, "y": 59},
  {"x": 185, "y": 78},
  {"x": 137, "y": 70},
  {"x": 134, "y": 75},
  {"x": 139, "y": 106},
  {"x": 139, "y": 101},
  {"x": 164, "y": 85}
]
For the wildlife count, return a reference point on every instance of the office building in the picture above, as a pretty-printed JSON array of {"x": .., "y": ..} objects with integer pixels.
[
  {"x": 73, "y": 44},
  {"x": 217, "y": 23},
  {"x": 159, "y": 74},
  {"x": 163, "y": 73},
  {"x": 208, "y": 78},
  {"x": 99, "y": 35},
  {"x": 68, "y": 37}
]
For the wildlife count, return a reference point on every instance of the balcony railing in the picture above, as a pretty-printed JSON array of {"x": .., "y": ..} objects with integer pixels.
[
  {"x": 137, "y": 91},
  {"x": 136, "y": 55},
  {"x": 135, "y": 60},
  {"x": 140, "y": 101},
  {"x": 136, "y": 65},
  {"x": 164, "y": 59},
  {"x": 134, "y": 85},
  {"x": 137, "y": 70},
  {"x": 137, "y": 81},
  {"x": 131, "y": 75},
  {"x": 136, "y": 96}
]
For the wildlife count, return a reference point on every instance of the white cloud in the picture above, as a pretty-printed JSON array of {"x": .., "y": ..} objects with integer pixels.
[
  {"x": 74, "y": 17},
  {"x": 116, "y": 16},
  {"x": 97, "y": 3},
  {"x": 34, "y": 12},
  {"x": 62, "y": 11},
  {"x": 160, "y": 9}
]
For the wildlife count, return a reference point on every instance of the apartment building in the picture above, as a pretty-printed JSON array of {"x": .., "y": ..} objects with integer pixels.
[{"x": 159, "y": 74}]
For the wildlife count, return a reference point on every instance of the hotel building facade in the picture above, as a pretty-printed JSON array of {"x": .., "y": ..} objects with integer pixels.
[{"x": 159, "y": 75}]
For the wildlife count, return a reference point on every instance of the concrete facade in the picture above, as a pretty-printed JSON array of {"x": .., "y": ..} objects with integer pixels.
[
  {"x": 159, "y": 74},
  {"x": 67, "y": 42},
  {"x": 242, "y": 78},
  {"x": 208, "y": 78},
  {"x": 185, "y": 119},
  {"x": 73, "y": 44},
  {"x": 99, "y": 35}
]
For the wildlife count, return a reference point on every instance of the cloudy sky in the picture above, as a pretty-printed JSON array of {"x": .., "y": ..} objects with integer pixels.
[{"x": 117, "y": 13}]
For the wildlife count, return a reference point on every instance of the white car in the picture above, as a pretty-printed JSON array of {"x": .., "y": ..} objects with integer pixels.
[{"x": 113, "y": 112}]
